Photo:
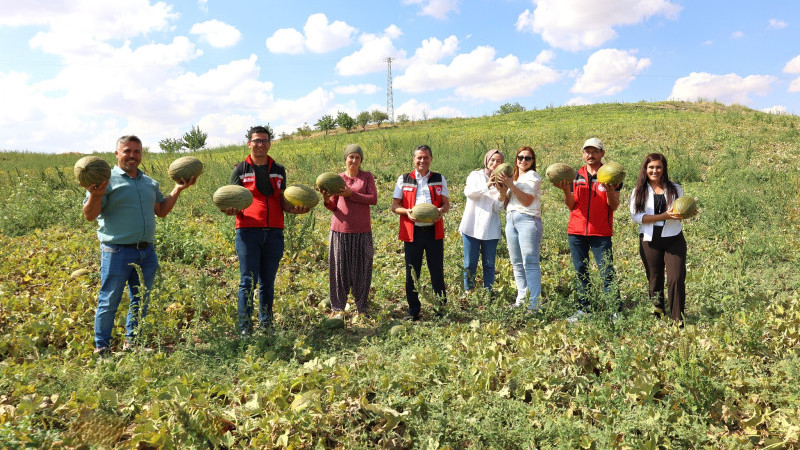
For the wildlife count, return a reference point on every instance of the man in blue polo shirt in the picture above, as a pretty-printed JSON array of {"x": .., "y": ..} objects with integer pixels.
[{"x": 125, "y": 207}]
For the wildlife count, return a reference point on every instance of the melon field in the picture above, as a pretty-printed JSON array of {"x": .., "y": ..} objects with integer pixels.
[{"x": 482, "y": 376}]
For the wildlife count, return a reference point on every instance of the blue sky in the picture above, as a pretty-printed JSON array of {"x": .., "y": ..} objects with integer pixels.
[{"x": 77, "y": 74}]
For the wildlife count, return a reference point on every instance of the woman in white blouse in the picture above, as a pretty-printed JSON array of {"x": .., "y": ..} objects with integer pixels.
[
  {"x": 661, "y": 241},
  {"x": 480, "y": 223},
  {"x": 523, "y": 199}
]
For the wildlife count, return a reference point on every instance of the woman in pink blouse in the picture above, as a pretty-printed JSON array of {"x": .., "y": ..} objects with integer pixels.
[{"x": 351, "y": 251}]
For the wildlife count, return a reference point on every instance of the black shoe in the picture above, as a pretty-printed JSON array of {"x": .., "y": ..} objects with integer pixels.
[{"x": 414, "y": 317}]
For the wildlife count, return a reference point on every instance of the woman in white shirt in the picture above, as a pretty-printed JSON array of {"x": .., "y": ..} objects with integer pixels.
[
  {"x": 661, "y": 241},
  {"x": 480, "y": 223},
  {"x": 524, "y": 226}
]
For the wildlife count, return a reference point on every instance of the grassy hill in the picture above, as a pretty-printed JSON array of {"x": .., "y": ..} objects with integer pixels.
[{"x": 484, "y": 375}]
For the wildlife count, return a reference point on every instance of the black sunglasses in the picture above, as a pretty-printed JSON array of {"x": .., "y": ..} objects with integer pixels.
[{"x": 524, "y": 158}]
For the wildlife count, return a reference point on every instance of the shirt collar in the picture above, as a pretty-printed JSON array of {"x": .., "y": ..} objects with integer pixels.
[
  {"x": 118, "y": 170},
  {"x": 420, "y": 177}
]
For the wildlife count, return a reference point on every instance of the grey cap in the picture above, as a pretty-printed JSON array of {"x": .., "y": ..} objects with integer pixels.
[
  {"x": 593, "y": 142},
  {"x": 353, "y": 148}
]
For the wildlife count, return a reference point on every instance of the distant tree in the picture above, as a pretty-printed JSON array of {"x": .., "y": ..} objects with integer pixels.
[
  {"x": 379, "y": 116},
  {"x": 304, "y": 131},
  {"x": 325, "y": 123},
  {"x": 345, "y": 121},
  {"x": 403, "y": 118},
  {"x": 286, "y": 136},
  {"x": 195, "y": 139},
  {"x": 170, "y": 145},
  {"x": 509, "y": 108},
  {"x": 363, "y": 118}
]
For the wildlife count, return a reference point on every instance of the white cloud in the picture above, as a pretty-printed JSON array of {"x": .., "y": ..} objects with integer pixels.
[
  {"x": 609, "y": 71},
  {"x": 392, "y": 32},
  {"x": 777, "y": 24},
  {"x": 287, "y": 40},
  {"x": 579, "y": 24},
  {"x": 728, "y": 89},
  {"x": 203, "y": 5},
  {"x": 293, "y": 113},
  {"x": 217, "y": 34},
  {"x": 477, "y": 75},
  {"x": 438, "y": 9},
  {"x": 416, "y": 110},
  {"x": 432, "y": 50},
  {"x": 371, "y": 57},
  {"x": 795, "y": 85},
  {"x": 777, "y": 109},
  {"x": 319, "y": 36},
  {"x": 82, "y": 28},
  {"x": 792, "y": 66},
  {"x": 356, "y": 89},
  {"x": 737, "y": 34},
  {"x": 578, "y": 101}
]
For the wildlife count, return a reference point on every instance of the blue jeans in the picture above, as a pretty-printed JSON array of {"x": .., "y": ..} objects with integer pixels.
[
  {"x": 259, "y": 250},
  {"x": 487, "y": 250},
  {"x": 602, "y": 248},
  {"x": 116, "y": 271},
  {"x": 524, "y": 237}
]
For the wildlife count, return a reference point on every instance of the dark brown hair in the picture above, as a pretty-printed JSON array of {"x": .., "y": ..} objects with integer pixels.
[{"x": 640, "y": 191}]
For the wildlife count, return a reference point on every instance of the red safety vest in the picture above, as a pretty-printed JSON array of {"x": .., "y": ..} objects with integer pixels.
[
  {"x": 435, "y": 183},
  {"x": 265, "y": 212},
  {"x": 591, "y": 215}
]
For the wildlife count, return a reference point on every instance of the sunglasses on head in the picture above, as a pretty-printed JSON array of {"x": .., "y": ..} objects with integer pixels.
[{"x": 524, "y": 158}]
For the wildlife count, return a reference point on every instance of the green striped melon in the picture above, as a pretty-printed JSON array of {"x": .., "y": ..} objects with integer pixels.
[
  {"x": 611, "y": 173},
  {"x": 185, "y": 168},
  {"x": 300, "y": 195},
  {"x": 425, "y": 213},
  {"x": 685, "y": 206},
  {"x": 505, "y": 168},
  {"x": 232, "y": 196},
  {"x": 330, "y": 182},
  {"x": 333, "y": 324},
  {"x": 558, "y": 172},
  {"x": 91, "y": 170}
]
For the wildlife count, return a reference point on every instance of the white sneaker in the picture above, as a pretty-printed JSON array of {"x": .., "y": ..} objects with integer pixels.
[{"x": 576, "y": 317}]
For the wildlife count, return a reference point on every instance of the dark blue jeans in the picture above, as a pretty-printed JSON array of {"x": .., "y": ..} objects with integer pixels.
[
  {"x": 259, "y": 250},
  {"x": 602, "y": 248}
]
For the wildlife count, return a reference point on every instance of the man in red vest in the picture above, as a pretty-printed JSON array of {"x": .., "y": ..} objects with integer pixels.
[
  {"x": 591, "y": 222},
  {"x": 421, "y": 186},
  {"x": 259, "y": 228}
]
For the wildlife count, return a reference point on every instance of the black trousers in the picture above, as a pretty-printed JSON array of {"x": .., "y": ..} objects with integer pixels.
[
  {"x": 433, "y": 249},
  {"x": 666, "y": 253}
]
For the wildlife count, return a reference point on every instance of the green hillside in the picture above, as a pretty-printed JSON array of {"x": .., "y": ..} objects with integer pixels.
[{"x": 484, "y": 376}]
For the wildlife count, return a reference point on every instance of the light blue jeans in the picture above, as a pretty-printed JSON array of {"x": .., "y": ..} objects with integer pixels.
[
  {"x": 524, "y": 237},
  {"x": 116, "y": 271},
  {"x": 487, "y": 250}
]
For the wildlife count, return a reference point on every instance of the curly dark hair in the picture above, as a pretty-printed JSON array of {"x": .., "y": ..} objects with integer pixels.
[{"x": 259, "y": 129}]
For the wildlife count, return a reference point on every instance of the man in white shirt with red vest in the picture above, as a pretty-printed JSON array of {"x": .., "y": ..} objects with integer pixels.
[
  {"x": 421, "y": 186},
  {"x": 591, "y": 222}
]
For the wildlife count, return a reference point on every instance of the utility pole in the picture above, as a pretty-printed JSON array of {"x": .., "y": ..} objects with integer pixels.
[{"x": 389, "y": 94}]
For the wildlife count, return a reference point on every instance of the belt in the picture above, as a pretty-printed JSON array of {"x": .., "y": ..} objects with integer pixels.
[{"x": 138, "y": 246}]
